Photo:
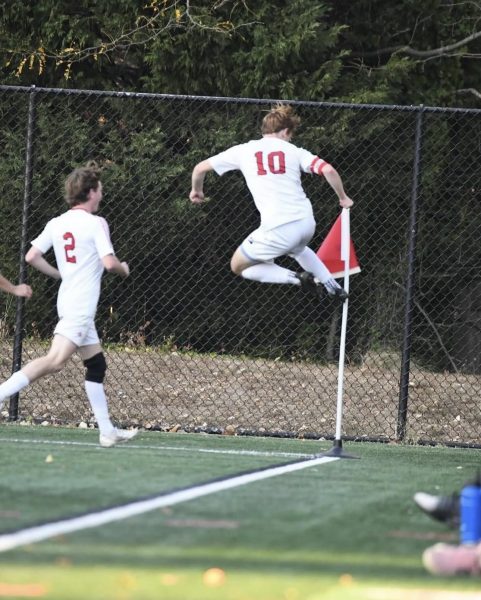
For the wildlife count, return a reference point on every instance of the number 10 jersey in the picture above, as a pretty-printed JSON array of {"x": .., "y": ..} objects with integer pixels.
[{"x": 272, "y": 169}]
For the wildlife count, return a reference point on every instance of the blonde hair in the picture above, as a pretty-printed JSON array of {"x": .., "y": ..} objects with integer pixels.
[
  {"x": 281, "y": 116},
  {"x": 79, "y": 183}
]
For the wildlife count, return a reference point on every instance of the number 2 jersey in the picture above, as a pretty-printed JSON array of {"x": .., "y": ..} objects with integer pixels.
[
  {"x": 272, "y": 169},
  {"x": 80, "y": 240}
]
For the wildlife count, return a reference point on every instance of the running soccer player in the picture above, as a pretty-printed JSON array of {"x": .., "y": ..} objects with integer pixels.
[
  {"x": 82, "y": 247},
  {"x": 272, "y": 168}
]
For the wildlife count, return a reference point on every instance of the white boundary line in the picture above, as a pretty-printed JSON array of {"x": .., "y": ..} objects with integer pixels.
[
  {"x": 95, "y": 519},
  {"x": 134, "y": 446}
]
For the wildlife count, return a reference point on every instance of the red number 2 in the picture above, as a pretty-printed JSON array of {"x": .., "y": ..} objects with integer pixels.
[
  {"x": 70, "y": 247},
  {"x": 276, "y": 162}
]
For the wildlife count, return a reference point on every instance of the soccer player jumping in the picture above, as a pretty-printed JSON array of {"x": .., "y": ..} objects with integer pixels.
[{"x": 272, "y": 168}]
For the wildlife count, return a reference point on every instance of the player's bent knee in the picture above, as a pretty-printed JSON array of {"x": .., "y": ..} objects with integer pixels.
[
  {"x": 96, "y": 367},
  {"x": 237, "y": 266},
  {"x": 239, "y": 262}
]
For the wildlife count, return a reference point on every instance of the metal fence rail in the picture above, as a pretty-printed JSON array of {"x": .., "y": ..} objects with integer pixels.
[{"x": 189, "y": 346}]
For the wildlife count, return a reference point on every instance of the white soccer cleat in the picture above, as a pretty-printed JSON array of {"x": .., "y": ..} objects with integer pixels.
[{"x": 117, "y": 436}]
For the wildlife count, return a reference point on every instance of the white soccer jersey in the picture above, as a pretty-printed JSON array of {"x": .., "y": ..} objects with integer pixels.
[
  {"x": 80, "y": 240},
  {"x": 272, "y": 169}
]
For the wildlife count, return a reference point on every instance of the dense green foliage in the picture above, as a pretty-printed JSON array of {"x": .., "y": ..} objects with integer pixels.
[
  {"x": 363, "y": 51},
  {"x": 299, "y": 49}
]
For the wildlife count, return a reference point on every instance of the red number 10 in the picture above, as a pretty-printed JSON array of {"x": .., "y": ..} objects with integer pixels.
[
  {"x": 70, "y": 247},
  {"x": 276, "y": 163}
]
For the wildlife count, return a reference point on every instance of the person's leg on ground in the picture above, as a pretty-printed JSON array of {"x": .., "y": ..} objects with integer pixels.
[
  {"x": 60, "y": 351},
  {"x": 96, "y": 366}
]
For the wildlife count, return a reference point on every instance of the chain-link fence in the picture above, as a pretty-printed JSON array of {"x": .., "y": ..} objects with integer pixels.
[{"x": 190, "y": 346}]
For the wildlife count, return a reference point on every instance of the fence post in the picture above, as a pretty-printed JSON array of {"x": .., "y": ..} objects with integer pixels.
[
  {"x": 409, "y": 285},
  {"x": 27, "y": 194}
]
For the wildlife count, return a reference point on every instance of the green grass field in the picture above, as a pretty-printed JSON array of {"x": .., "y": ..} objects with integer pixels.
[{"x": 343, "y": 530}]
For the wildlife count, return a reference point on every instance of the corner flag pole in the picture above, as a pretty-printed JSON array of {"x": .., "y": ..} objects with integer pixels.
[
  {"x": 345, "y": 247},
  {"x": 345, "y": 257}
]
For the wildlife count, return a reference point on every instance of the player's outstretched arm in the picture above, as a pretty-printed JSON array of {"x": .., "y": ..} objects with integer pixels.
[
  {"x": 334, "y": 180},
  {"x": 198, "y": 175}
]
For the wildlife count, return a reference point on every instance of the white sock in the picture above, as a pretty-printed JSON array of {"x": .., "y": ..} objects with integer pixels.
[
  {"x": 14, "y": 384},
  {"x": 331, "y": 286},
  {"x": 270, "y": 273},
  {"x": 98, "y": 402},
  {"x": 311, "y": 263}
]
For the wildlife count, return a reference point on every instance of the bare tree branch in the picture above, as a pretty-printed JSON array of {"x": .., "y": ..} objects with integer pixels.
[
  {"x": 176, "y": 14},
  {"x": 469, "y": 91},
  {"x": 433, "y": 53}
]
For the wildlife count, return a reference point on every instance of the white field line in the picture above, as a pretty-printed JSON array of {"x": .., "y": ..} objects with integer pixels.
[
  {"x": 193, "y": 449},
  {"x": 138, "y": 507}
]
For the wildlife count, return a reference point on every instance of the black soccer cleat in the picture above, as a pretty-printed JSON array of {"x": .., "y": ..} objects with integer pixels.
[
  {"x": 308, "y": 284},
  {"x": 334, "y": 290},
  {"x": 339, "y": 294},
  {"x": 440, "y": 508}
]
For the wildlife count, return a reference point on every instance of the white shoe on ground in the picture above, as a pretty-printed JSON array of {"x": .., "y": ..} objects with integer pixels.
[{"x": 117, "y": 436}]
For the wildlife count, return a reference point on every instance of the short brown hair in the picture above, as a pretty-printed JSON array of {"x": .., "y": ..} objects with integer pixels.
[
  {"x": 79, "y": 183},
  {"x": 281, "y": 116}
]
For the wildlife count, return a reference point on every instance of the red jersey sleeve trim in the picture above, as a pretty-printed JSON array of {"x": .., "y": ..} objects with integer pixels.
[{"x": 317, "y": 165}]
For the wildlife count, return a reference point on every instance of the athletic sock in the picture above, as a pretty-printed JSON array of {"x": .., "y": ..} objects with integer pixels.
[
  {"x": 98, "y": 402},
  {"x": 311, "y": 263},
  {"x": 14, "y": 384},
  {"x": 331, "y": 286},
  {"x": 270, "y": 273}
]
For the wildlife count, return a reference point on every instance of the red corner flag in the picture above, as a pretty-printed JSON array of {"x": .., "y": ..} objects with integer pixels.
[{"x": 330, "y": 252}]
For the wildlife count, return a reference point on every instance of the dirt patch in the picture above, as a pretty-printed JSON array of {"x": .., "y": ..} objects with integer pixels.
[{"x": 173, "y": 390}]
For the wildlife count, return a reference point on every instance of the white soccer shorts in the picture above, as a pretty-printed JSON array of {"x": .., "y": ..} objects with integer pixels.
[
  {"x": 79, "y": 330},
  {"x": 291, "y": 238}
]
